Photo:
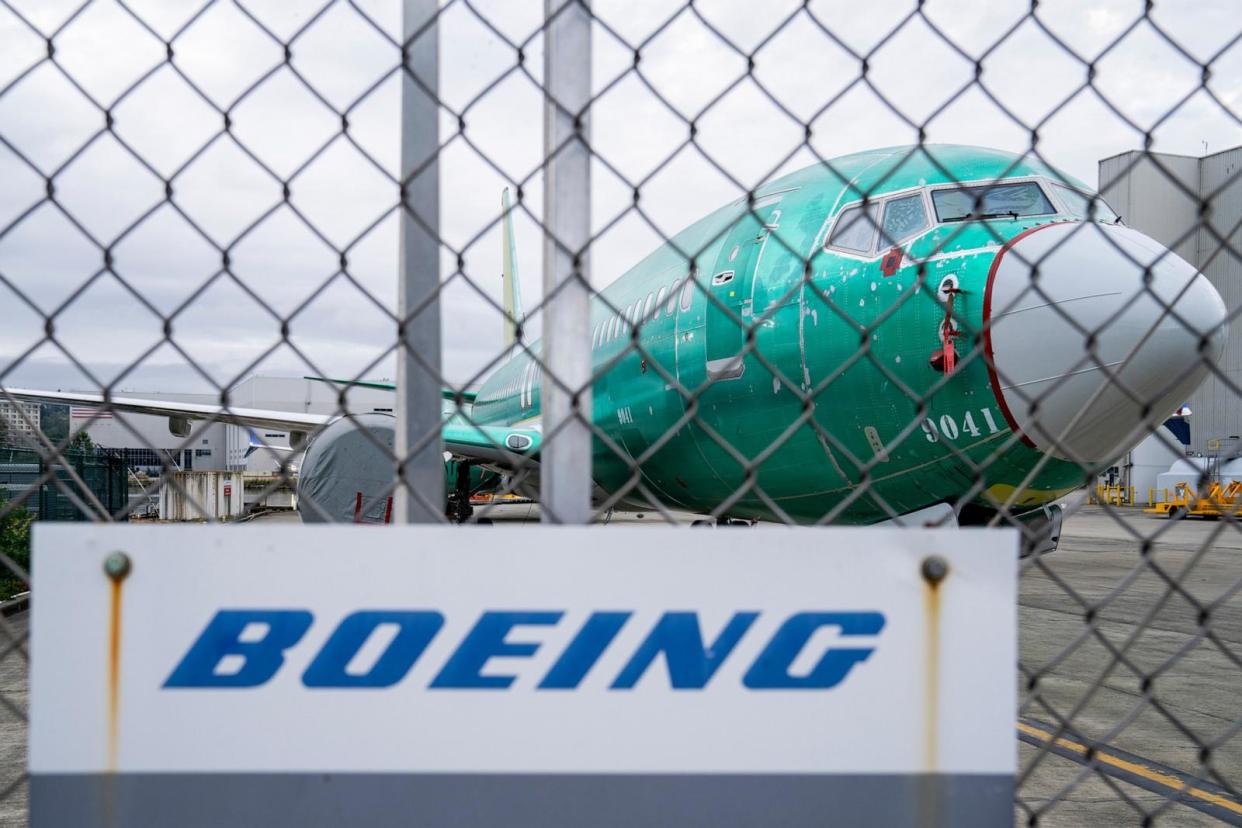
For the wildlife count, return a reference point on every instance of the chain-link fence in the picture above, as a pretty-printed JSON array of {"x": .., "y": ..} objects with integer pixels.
[
  {"x": 801, "y": 263},
  {"x": 27, "y": 477}
]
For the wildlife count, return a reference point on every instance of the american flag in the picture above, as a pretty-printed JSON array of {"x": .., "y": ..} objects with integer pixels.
[{"x": 77, "y": 412}]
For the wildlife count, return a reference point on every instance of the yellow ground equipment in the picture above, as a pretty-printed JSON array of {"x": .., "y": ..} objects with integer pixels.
[
  {"x": 1113, "y": 495},
  {"x": 1179, "y": 503},
  {"x": 1226, "y": 500}
]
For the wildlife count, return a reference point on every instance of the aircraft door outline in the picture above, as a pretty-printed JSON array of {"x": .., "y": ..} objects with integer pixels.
[{"x": 725, "y": 330}]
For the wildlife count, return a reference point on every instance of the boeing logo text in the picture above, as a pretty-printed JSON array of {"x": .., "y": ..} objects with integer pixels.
[{"x": 252, "y": 644}]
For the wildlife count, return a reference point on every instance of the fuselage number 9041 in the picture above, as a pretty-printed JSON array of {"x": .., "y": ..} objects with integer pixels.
[{"x": 948, "y": 426}]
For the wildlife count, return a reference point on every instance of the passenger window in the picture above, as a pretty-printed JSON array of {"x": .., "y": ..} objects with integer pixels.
[
  {"x": 659, "y": 302},
  {"x": 687, "y": 294},
  {"x": 903, "y": 218},
  {"x": 854, "y": 230},
  {"x": 647, "y": 307},
  {"x": 672, "y": 296}
]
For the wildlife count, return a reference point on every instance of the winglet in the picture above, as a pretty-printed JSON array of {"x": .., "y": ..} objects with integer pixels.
[{"x": 509, "y": 276}]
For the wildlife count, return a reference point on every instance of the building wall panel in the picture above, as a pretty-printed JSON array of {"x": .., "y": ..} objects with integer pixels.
[{"x": 1162, "y": 196}]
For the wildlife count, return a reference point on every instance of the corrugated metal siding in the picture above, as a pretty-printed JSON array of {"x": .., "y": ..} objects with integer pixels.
[
  {"x": 1114, "y": 184},
  {"x": 1221, "y": 406},
  {"x": 1145, "y": 192},
  {"x": 1158, "y": 195}
]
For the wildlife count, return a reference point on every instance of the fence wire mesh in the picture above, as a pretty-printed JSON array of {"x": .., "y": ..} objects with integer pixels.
[{"x": 907, "y": 309}]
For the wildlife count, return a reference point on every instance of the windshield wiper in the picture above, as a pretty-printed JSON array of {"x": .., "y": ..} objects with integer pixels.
[{"x": 969, "y": 216}]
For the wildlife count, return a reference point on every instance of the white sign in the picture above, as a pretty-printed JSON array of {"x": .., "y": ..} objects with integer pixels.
[{"x": 522, "y": 650}]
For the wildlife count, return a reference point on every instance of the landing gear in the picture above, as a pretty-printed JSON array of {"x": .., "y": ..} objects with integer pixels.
[
  {"x": 458, "y": 509},
  {"x": 722, "y": 522}
]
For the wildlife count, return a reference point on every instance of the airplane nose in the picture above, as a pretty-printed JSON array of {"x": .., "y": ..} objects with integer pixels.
[{"x": 1096, "y": 333}]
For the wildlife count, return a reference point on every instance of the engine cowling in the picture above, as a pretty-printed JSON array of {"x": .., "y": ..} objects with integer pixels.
[{"x": 347, "y": 473}]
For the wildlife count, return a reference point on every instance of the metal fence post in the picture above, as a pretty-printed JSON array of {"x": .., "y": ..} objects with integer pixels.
[
  {"x": 565, "y": 477},
  {"x": 418, "y": 378}
]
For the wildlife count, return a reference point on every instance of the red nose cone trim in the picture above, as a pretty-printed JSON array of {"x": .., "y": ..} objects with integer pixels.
[{"x": 987, "y": 329}]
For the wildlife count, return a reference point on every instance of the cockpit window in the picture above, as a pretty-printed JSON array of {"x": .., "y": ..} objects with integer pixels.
[
  {"x": 1079, "y": 204},
  {"x": 903, "y": 217},
  {"x": 854, "y": 230},
  {"x": 993, "y": 201}
]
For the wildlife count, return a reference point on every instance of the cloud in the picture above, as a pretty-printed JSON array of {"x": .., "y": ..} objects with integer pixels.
[{"x": 167, "y": 257}]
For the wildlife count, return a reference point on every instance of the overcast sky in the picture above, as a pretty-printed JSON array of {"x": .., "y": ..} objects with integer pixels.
[{"x": 342, "y": 331}]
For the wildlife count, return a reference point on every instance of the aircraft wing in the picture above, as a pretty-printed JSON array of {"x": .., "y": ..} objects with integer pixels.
[
  {"x": 501, "y": 446},
  {"x": 289, "y": 421}
]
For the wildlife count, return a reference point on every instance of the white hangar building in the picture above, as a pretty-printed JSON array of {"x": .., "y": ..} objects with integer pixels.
[
  {"x": 1161, "y": 195},
  {"x": 147, "y": 439}
]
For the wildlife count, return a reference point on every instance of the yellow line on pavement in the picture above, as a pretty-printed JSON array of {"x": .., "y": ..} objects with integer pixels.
[{"x": 1147, "y": 773}]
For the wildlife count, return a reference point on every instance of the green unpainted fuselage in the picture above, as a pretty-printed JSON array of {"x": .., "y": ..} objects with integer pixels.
[{"x": 833, "y": 412}]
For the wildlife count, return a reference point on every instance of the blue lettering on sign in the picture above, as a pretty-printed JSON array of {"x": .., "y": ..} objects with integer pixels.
[
  {"x": 487, "y": 639},
  {"x": 586, "y": 648},
  {"x": 690, "y": 664},
  {"x": 222, "y": 637},
  {"x": 414, "y": 632},
  {"x": 771, "y": 669},
  {"x": 677, "y": 636}
]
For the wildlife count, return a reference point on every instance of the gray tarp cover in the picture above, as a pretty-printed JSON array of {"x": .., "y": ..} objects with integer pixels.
[{"x": 344, "y": 460}]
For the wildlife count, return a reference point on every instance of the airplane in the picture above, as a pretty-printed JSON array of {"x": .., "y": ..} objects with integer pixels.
[{"x": 910, "y": 331}]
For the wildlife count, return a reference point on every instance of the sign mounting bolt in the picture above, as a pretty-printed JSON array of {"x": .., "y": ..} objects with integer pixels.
[
  {"x": 935, "y": 569},
  {"x": 116, "y": 566}
]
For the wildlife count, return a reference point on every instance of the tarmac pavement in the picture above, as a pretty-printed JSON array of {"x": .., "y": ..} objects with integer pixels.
[{"x": 1155, "y": 674}]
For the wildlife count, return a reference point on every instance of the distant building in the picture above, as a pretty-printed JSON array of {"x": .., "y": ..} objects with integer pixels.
[
  {"x": 148, "y": 442},
  {"x": 1161, "y": 195},
  {"x": 19, "y": 429}
]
